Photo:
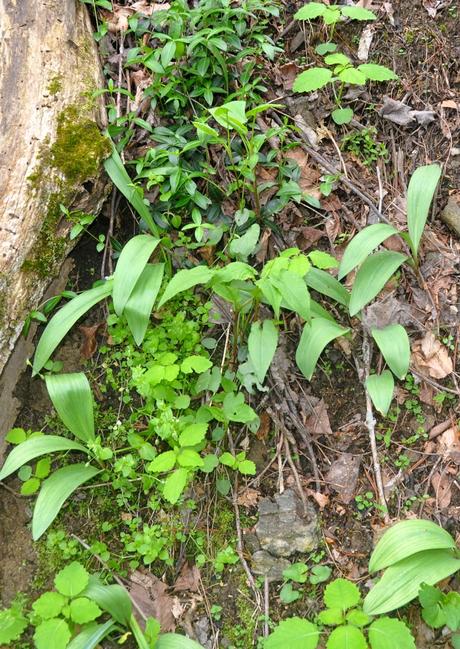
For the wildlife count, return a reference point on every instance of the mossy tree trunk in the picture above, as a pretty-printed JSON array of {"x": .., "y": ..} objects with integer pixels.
[{"x": 51, "y": 147}]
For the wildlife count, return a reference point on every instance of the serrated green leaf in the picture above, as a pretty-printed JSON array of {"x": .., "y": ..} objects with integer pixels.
[
  {"x": 342, "y": 115},
  {"x": 262, "y": 343},
  {"x": 331, "y": 15},
  {"x": 315, "y": 337},
  {"x": 184, "y": 280},
  {"x": 210, "y": 462},
  {"x": 331, "y": 616},
  {"x": 83, "y": 610},
  {"x": 72, "y": 580},
  {"x": 310, "y": 11},
  {"x": 429, "y": 595},
  {"x": 174, "y": 485},
  {"x": 163, "y": 462},
  {"x": 195, "y": 363},
  {"x": 357, "y": 13},
  {"x": 372, "y": 277},
  {"x": 401, "y": 581},
  {"x": 341, "y": 593},
  {"x": 320, "y": 574},
  {"x": 406, "y": 538},
  {"x": 52, "y": 634},
  {"x": 189, "y": 458},
  {"x": 294, "y": 633},
  {"x": 54, "y": 492},
  {"x": 352, "y": 76},
  {"x": 296, "y": 572},
  {"x": 380, "y": 388},
  {"x": 325, "y": 284},
  {"x": 393, "y": 342},
  {"x": 356, "y": 617},
  {"x": 141, "y": 300},
  {"x": 312, "y": 79},
  {"x": 422, "y": 187},
  {"x": 346, "y": 637},
  {"x": 30, "y": 486},
  {"x": 193, "y": 434},
  {"x": 246, "y": 467},
  {"x": 322, "y": 260},
  {"x": 12, "y": 626},
  {"x": 49, "y": 605},
  {"x": 73, "y": 400},
  {"x": 377, "y": 72},
  {"x": 362, "y": 245},
  {"x": 388, "y": 633},
  {"x": 288, "y": 594}
]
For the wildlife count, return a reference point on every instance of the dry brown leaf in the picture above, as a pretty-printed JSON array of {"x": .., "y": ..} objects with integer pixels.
[
  {"x": 307, "y": 237},
  {"x": 365, "y": 42},
  {"x": 89, "y": 345},
  {"x": 343, "y": 476},
  {"x": 431, "y": 357},
  {"x": 150, "y": 595},
  {"x": 321, "y": 499},
  {"x": 265, "y": 425},
  {"x": 309, "y": 177},
  {"x": 441, "y": 484},
  {"x": 188, "y": 579},
  {"x": 317, "y": 423},
  {"x": 286, "y": 74},
  {"x": 248, "y": 497},
  {"x": 449, "y": 444}
]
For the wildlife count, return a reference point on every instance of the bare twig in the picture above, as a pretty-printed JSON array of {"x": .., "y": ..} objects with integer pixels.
[{"x": 266, "y": 606}]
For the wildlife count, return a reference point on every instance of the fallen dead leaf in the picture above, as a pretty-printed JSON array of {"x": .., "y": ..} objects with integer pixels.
[
  {"x": 265, "y": 425},
  {"x": 151, "y": 597},
  {"x": 321, "y": 499},
  {"x": 309, "y": 177},
  {"x": 317, "y": 423},
  {"x": 449, "y": 444},
  {"x": 188, "y": 579},
  {"x": 402, "y": 114},
  {"x": 441, "y": 484},
  {"x": 343, "y": 476},
  {"x": 433, "y": 6},
  {"x": 431, "y": 357},
  {"x": 365, "y": 42},
  {"x": 286, "y": 74},
  {"x": 117, "y": 19},
  {"x": 307, "y": 237},
  {"x": 89, "y": 345},
  {"x": 248, "y": 497}
]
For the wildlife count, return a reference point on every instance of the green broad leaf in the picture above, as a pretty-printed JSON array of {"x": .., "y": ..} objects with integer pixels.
[
  {"x": 72, "y": 580},
  {"x": 43, "y": 468},
  {"x": 184, "y": 280},
  {"x": 73, "y": 401},
  {"x": 174, "y": 485},
  {"x": 119, "y": 176},
  {"x": 12, "y": 626},
  {"x": 362, "y": 245},
  {"x": 197, "y": 364},
  {"x": 310, "y": 11},
  {"x": 210, "y": 462},
  {"x": 388, "y": 633},
  {"x": 35, "y": 447},
  {"x": 319, "y": 574},
  {"x": 242, "y": 247},
  {"x": 52, "y": 634},
  {"x": 30, "y": 486},
  {"x": 114, "y": 599},
  {"x": 246, "y": 467},
  {"x": 393, "y": 342},
  {"x": 297, "y": 572},
  {"x": 140, "y": 303},
  {"x": 55, "y": 491},
  {"x": 434, "y": 616},
  {"x": 288, "y": 594},
  {"x": 190, "y": 458},
  {"x": 325, "y": 284},
  {"x": 315, "y": 337},
  {"x": 406, "y": 538},
  {"x": 401, "y": 581},
  {"x": 346, "y": 637},
  {"x": 294, "y": 291},
  {"x": 342, "y": 115},
  {"x": 163, "y": 462},
  {"x": 84, "y": 610},
  {"x": 227, "y": 459},
  {"x": 312, "y": 79},
  {"x": 356, "y": 617},
  {"x": 372, "y": 277},
  {"x": 205, "y": 129},
  {"x": 380, "y": 388},
  {"x": 193, "y": 434},
  {"x": 92, "y": 635},
  {"x": 451, "y": 608},
  {"x": 358, "y": 13},
  {"x": 352, "y": 76},
  {"x": 455, "y": 641},
  {"x": 236, "y": 270},
  {"x": 175, "y": 641},
  {"x": 377, "y": 72},
  {"x": 49, "y": 605},
  {"x": 429, "y": 595},
  {"x": 294, "y": 633},
  {"x": 331, "y": 616},
  {"x": 325, "y": 48},
  {"x": 337, "y": 59},
  {"x": 16, "y": 436},
  {"x": 262, "y": 343},
  {"x": 130, "y": 266},
  {"x": 230, "y": 115},
  {"x": 318, "y": 311},
  {"x": 341, "y": 593},
  {"x": 422, "y": 187},
  {"x": 61, "y": 323},
  {"x": 322, "y": 260}
]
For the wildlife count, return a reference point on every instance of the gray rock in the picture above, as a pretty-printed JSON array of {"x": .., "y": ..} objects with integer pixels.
[
  {"x": 283, "y": 528},
  {"x": 265, "y": 564},
  {"x": 451, "y": 213}
]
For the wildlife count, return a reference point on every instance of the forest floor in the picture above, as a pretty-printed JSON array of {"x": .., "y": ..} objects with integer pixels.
[{"x": 313, "y": 438}]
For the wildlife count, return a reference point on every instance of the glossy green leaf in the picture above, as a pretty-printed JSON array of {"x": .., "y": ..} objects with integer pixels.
[
  {"x": 119, "y": 176},
  {"x": 92, "y": 635},
  {"x": 406, "y": 538},
  {"x": 401, "y": 581},
  {"x": 293, "y": 633},
  {"x": 35, "y": 447},
  {"x": 262, "y": 343},
  {"x": 184, "y": 280},
  {"x": 312, "y": 79},
  {"x": 113, "y": 598},
  {"x": 346, "y": 637},
  {"x": 310, "y": 11},
  {"x": 140, "y": 303},
  {"x": 372, "y": 277},
  {"x": 130, "y": 266},
  {"x": 420, "y": 192},
  {"x": 362, "y": 245},
  {"x": 55, "y": 491},
  {"x": 341, "y": 593},
  {"x": 393, "y": 342},
  {"x": 176, "y": 641},
  {"x": 357, "y": 13},
  {"x": 73, "y": 400},
  {"x": 174, "y": 485},
  {"x": 61, "y": 323},
  {"x": 376, "y": 72},
  {"x": 389, "y": 633},
  {"x": 326, "y": 284},
  {"x": 315, "y": 337},
  {"x": 380, "y": 388}
]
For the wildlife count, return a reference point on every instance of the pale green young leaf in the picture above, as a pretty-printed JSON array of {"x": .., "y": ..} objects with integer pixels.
[
  {"x": 406, "y": 538},
  {"x": 140, "y": 303},
  {"x": 91, "y": 636},
  {"x": 331, "y": 15},
  {"x": 114, "y": 599},
  {"x": 393, "y": 342},
  {"x": 322, "y": 259},
  {"x": 245, "y": 245},
  {"x": 315, "y": 337},
  {"x": 52, "y": 634},
  {"x": 16, "y": 436},
  {"x": 380, "y": 388},
  {"x": 12, "y": 626},
  {"x": 72, "y": 580},
  {"x": 195, "y": 363},
  {"x": 420, "y": 192},
  {"x": 312, "y": 79},
  {"x": 193, "y": 434},
  {"x": 73, "y": 401},
  {"x": 35, "y": 447},
  {"x": 61, "y": 323},
  {"x": 163, "y": 462},
  {"x": 376, "y": 72},
  {"x": 49, "y": 605},
  {"x": 246, "y": 467},
  {"x": 30, "y": 486},
  {"x": 336, "y": 59},
  {"x": 362, "y": 245},
  {"x": 190, "y": 458},
  {"x": 174, "y": 485},
  {"x": 401, "y": 581},
  {"x": 372, "y": 277},
  {"x": 331, "y": 616},
  {"x": 294, "y": 633},
  {"x": 236, "y": 270},
  {"x": 262, "y": 343},
  {"x": 352, "y": 76},
  {"x": 346, "y": 637},
  {"x": 389, "y": 633},
  {"x": 55, "y": 491},
  {"x": 342, "y": 594},
  {"x": 326, "y": 284},
  {"x": 357, "y": 13},
  {"x": 231, "y": 115},
  {"x": 342, "y": 115},
  {"x": 310, "y": 11},
  {"x": 185, "y": 279},
  {"x": 84, "y": 610},
  {"x": 325, "y": 48},
  {"x": 356, "y": 617},
  {"x": 131, "y": 263}
]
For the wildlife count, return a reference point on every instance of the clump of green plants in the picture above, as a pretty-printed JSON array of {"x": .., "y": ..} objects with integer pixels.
[
  {"x": 298, "y": 573},
  {"x": 441, "y": 610},
  {"x": 363, "y": 145}
]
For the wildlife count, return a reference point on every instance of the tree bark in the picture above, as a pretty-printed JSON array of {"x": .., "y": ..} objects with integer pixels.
[{"x": 51, "y": 147}]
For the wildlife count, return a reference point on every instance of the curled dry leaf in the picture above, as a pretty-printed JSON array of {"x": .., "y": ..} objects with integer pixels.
[
  {"x": 365, "y": 42},
  {"x": 309, "y": 177},
  {"x": 441, "y": 484},
  {"x": 188, "y": 579},
  {"x": 431, "y": 357},
  {"x": 248, "y": 497},
  {"x": 89, "y": 345},
  {"x": 343, "y": 476},
  {"x": 402, "y": 114},
  {"x": 449, "y": 444},
  {"x": 150, "y": 595},
  {"x": 317, "y": 423},
  {"x": 117, "y": 20}
]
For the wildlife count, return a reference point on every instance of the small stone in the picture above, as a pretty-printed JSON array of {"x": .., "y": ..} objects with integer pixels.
[
  {"x": 284, "y": 528},
  {"x": 451, "y": 213},
  {"x": 266, "y": 565}
]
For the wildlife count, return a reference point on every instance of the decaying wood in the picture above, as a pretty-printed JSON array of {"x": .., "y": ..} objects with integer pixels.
[{"x": 51, "y": 148}]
